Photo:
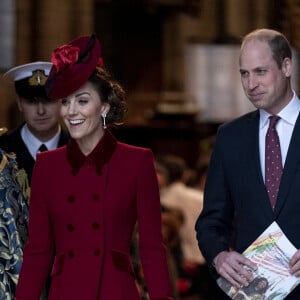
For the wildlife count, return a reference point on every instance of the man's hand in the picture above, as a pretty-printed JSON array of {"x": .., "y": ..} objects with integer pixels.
[
  {"x": 235, "y": 268},
  {"x": 295, "y": 264}
]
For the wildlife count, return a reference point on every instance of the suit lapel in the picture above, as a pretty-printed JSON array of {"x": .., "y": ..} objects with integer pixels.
[
  {"x": 290, "y": 167},
  {"x": 254, "y": 165},
  {"x": 253, "y": 149}
]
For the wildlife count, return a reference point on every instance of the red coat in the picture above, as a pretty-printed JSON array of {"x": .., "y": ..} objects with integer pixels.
[{"x": 83, "y": 211}]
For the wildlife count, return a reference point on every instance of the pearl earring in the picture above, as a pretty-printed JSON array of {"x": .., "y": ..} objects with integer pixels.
[{"x": 104, "y": 120}]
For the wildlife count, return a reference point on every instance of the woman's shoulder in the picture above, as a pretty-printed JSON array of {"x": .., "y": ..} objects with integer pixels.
[
  {"x": 133, "y": 148},
  {"x": 133, "y": 154}
]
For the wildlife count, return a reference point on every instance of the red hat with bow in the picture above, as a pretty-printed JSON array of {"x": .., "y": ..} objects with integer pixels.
[{"x": 73, "y": 64}]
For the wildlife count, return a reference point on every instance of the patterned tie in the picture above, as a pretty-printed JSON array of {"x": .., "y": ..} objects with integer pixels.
[
  {"x": 43, "y": 148},
  {"x": 273, "y": 162}
]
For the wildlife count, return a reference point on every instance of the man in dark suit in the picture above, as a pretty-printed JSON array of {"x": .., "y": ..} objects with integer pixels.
[
  {"x": 41, "y": 116},
  {"x": 236, "y": 200}
]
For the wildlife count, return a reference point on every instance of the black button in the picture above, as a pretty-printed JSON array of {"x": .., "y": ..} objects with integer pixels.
[
  {"x": 70, "y": 227},
  {"x": 96, "y": 225},
  {"x": 71, "y": 254},
  {"x": 97, "y": 252},
  {"x": 96, "y": 197},
  {"x": 71, "y": 198}
]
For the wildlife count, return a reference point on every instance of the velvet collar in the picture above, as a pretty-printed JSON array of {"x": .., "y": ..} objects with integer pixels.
[{"x": 99, "y": 156}]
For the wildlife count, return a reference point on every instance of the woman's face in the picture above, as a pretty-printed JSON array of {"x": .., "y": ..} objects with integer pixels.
[{"x": 81, "y": 112}]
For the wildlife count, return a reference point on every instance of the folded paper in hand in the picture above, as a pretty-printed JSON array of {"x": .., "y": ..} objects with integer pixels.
[{"x": 271, "y": 251}]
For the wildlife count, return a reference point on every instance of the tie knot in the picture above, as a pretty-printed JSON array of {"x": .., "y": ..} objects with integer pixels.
[
  {"x": 43, "y": 148},
  {"x": 273, "y": 121}
]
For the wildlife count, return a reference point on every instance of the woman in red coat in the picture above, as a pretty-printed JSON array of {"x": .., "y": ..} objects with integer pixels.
[{"x": 86, "y": 197}]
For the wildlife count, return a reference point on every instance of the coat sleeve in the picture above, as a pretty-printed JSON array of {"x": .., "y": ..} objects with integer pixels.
[
  {"x": 38, "y": 252},
  {"x": 152, "y": 248},
  {"x": 214, "y": 224}
]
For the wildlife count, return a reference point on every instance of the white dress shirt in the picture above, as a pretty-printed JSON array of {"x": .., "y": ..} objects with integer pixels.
[{"x": 33, "y": 144}]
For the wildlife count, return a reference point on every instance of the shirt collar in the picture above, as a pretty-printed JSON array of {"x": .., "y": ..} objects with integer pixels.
[
  {"x": 289, "y": 113},
  {"x": 33, "y": 144},
  {"x": 98, "y": 157}
]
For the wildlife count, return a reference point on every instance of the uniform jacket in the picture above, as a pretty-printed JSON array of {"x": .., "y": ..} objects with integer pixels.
[
  {"x": 83, "y": 212},
  {"x": 235, "y": 190},
  {"x": 12, "y": 142}
]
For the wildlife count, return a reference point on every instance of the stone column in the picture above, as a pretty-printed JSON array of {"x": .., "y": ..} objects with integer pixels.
[
  {"x": 7, "y": 31},
  {"x": 44, "y": 25},
  {"x": 7, "y": 55}
]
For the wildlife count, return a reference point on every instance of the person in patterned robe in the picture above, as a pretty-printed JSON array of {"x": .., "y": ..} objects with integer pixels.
[{"x": 13, "y": 225}]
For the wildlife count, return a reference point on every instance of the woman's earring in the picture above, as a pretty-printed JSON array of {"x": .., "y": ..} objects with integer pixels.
[{"x": 104, "y": 120}]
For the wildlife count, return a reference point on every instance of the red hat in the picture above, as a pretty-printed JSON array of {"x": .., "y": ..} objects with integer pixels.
[{"x": 73, "y": 64}]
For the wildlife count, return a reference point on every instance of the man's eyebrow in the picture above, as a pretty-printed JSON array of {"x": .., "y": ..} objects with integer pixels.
[{"x": 255, "y": 69}]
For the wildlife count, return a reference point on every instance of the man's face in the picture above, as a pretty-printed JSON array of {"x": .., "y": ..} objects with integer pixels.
[
  {"x": 265, "y": 84},
  {"x": 41, "y": 116}
]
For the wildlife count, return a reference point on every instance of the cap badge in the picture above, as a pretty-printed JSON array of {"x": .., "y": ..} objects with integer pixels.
[{"x": 38, "y": 78}]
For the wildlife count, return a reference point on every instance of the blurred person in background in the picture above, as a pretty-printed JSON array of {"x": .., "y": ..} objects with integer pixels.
[
  {"x": 175, "y": 194},
  {"x": 172, "y": 220}
]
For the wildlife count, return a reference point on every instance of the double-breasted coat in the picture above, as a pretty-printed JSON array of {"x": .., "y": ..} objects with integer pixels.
[
  {"x": 82, "y": 215},
  {"x": 235, "y": 190}
]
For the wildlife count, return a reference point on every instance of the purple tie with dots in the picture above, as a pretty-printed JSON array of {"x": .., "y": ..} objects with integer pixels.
[{"x": 273, "y": 162}]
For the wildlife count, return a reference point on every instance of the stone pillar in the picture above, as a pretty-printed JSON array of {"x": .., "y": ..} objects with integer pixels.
[
  {"x": 44, "y": 25},
  {"x": 173, "y": 53},
  {"x": 7, "y": 32},
  {"x": 179, "y": 28},
  {"x": 7, "y": 55},
  {"x": 62, "y": 21},
  {"x": 243, "y": 16}
]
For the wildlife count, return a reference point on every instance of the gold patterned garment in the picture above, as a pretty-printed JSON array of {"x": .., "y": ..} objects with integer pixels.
[{"x": 13, "y": 225}]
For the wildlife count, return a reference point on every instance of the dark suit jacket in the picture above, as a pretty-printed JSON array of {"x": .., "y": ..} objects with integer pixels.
[
  {"x": 12, "y": 142},
  {"x": 235, "y": 190}
]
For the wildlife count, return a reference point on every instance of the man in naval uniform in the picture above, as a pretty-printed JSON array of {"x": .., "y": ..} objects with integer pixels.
[{"x": 41, "y": 129}]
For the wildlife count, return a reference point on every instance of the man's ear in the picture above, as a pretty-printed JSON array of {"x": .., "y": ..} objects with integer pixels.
[
  {"x": 287, "y": 67},
  {"x": 18, "y": 100}
]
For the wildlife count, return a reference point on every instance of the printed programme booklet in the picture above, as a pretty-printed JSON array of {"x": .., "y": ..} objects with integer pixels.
[{"x": 271, "y": 251}]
